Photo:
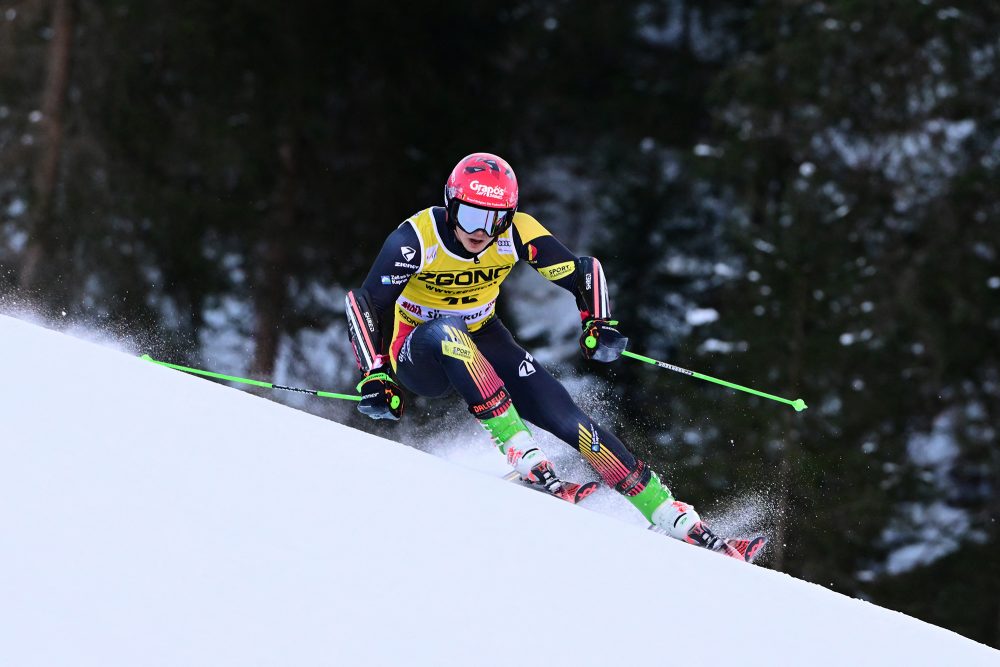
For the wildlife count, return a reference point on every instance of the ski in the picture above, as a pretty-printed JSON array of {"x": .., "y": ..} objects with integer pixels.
[
  {"x": 571, "y": 492},
  {"x": 743, "y": 549},
  {"x": 747, "y": 549}
]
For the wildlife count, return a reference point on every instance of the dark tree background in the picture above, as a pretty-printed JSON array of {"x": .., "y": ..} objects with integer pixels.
[{"x": 798, "y": 196}]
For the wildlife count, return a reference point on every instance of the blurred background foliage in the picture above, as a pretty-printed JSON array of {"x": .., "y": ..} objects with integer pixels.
[{"x": 797, "y": 196}]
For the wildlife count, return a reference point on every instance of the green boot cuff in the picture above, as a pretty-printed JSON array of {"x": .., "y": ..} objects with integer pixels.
[
  {"x": 654, "y": 495},
  {"x": 504, "y": 427}
]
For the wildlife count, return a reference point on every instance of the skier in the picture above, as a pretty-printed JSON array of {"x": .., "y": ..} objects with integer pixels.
[{"x": 439, "y": 273}]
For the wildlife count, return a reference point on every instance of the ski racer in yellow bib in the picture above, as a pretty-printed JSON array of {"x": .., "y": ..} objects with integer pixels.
[
  {"x": 449, "y": 285},
  {"x": 434, "y": 285}
]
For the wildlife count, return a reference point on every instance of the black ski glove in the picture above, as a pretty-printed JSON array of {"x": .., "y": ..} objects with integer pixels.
[
  {"x": 380, "y": 396},
  {"x": 601, "y": 341}
]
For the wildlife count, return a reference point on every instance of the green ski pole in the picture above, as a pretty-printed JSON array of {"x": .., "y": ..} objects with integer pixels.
[
  {"x": 798, "y": 403},
  {"x": 255, "y": 383}
]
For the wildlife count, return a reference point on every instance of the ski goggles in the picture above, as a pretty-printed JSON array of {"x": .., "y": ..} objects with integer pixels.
[{"x": 493, "y": 221}]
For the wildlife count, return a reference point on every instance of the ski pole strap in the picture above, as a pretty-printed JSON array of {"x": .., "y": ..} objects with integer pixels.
[
  {"x": 798, "y": 403},
  {"x": 255, "y": 383},
  {"x": 375, "y": 376}
]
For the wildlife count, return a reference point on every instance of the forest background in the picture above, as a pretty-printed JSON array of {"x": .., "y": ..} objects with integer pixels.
[{"x": 796, "y": 196}]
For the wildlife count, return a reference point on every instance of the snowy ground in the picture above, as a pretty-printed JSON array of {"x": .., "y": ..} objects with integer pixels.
[{"x": 150, "y": 518}]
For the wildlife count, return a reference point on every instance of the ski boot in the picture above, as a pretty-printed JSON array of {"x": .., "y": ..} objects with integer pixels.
[
  {"x": 680, "y": 521},
  {"x": 533, "y": 468},
  {"x": 541, "y": 476}
]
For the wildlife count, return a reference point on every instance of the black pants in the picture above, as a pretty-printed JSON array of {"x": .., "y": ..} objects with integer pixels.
[{"x": 429, "y": 364}]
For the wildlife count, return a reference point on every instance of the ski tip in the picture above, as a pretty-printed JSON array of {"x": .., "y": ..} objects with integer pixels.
[
  {"x": 146, "y": 357},
  {"x": 745, "y": 549},
  {"x": 754, "y": 547},
  {"x": 584, "y": 491}
]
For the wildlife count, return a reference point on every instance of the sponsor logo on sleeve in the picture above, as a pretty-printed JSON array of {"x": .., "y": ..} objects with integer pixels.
[
  {"x": 557, "y": 271},
  {"x": 404, "y": 265},
  {"x": 408, "y": 252},
  {"x": 394, "y": 280}
]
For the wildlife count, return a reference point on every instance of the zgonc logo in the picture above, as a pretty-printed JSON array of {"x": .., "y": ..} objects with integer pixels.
[{"x": 463, "y": 278}]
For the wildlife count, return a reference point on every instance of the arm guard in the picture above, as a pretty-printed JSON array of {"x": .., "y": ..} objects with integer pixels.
[
  {"x": 364, "y": 329},
  {"x": 591, "y": 289}
]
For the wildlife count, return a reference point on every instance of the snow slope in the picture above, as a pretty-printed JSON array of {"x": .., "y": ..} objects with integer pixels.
[{"x": 148, "y": 517}]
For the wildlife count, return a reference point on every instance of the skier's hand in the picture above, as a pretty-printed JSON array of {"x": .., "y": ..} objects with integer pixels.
[
  {"x": 601, "y": 341},
  {"x": 380, "y": 396}
]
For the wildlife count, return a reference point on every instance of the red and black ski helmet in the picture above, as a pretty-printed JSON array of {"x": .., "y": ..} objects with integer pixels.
[{"x": 481, "y": 193}]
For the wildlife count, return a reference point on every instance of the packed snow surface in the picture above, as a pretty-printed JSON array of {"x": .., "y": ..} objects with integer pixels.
[{"x": 148, "y": 517}]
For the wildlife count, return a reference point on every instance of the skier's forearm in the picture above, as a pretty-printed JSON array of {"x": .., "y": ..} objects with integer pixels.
[
  {"x": 581, "y": 276},
  {"x": 396, "y": 262},
  {"x": 364, "y": 329},
  {"x": 591, "y": 289}
]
